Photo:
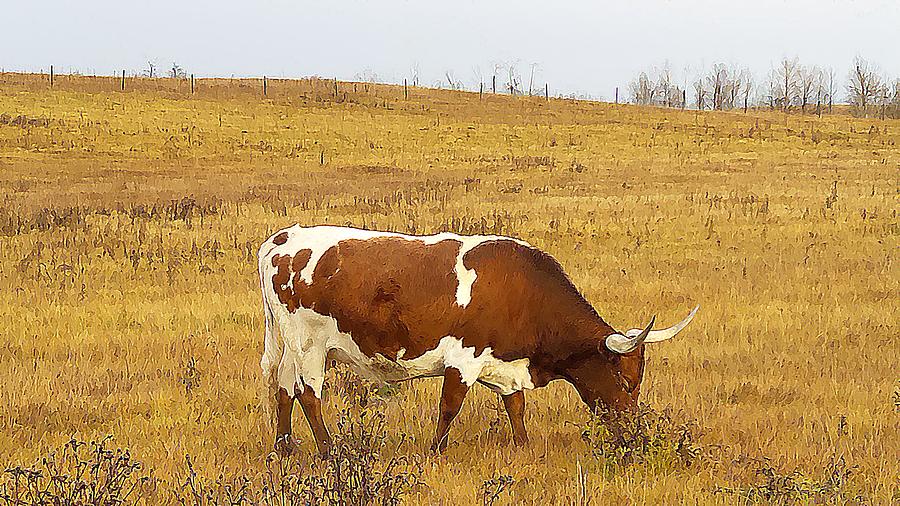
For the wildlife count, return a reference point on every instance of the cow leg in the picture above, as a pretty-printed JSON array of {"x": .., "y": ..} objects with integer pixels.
[
  {"x": 452, "y": 394},
  {"x": 515, "y": 408},
  {"x": 284, "y": 402},
  {"x": 312, "y": 408}
]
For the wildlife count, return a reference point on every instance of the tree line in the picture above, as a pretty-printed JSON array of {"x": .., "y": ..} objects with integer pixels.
[{"x": 788, "y": 86}]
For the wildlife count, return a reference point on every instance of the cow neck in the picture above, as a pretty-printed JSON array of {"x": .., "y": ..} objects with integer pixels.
[{"x": 577, "y": 335}]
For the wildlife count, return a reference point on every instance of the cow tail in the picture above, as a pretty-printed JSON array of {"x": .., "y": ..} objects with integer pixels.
[{"x": 272, "y": 352}]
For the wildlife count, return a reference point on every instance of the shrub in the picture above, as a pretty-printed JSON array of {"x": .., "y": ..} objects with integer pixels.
[
  {"x": 80, "y": 473},
  {"x": 492, "y": 489},
  {"x": 776, "y": 487},
  {"x": 355, "y": 472},
  {"x": 770, "y": 485},
  {"x": 643, "y": 436},
  {"x": 194, "y": 491}
]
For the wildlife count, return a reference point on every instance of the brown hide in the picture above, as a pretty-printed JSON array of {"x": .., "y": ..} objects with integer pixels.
[
  {"x": 391, "y": 293},
  {"x": 280, "y": 238}
]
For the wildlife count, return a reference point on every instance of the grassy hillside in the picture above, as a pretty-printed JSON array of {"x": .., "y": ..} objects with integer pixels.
[{"x": 129, "y": 223}]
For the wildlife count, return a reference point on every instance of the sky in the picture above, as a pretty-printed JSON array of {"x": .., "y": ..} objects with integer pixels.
[{"x": 581, "y": 47}]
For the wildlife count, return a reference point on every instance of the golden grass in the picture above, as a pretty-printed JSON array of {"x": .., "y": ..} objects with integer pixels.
[{"x": 784, "y": 228}]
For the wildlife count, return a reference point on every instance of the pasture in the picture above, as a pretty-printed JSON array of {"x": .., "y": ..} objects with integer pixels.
[{"x": 130, "y": 305}]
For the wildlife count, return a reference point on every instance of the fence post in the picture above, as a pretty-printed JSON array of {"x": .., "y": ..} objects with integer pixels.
[
  {"x": 547, "y": 91},
  {"x": 494, "y": 84},
  {"x": 617, "y": 95},
  {"x": 51, "y": 76},
  {"x": 405, "y": 89},
  {"x": 265, "y": 87},
  {"x": 481, "y": 90},
  {"x": 192, "y": 84},
  {"x": 336, "y": 89},
  {"x": 123, "y": 79},
  {"x": 684, "y": 99}
]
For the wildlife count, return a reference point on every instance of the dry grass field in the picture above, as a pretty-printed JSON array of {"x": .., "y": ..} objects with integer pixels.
[{"x": 130, "y": 306}]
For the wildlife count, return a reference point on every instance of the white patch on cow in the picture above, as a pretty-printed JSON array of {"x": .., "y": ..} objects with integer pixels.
[
  {"x": 466, "y": 277},
  {"x": 298, "y": 344},
  {"x": 309, "y": 339}
]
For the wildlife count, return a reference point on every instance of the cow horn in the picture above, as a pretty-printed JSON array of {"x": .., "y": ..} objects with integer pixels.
[
  {"x": 656, "y": 336},
  {"x": 626, "y": 344}
]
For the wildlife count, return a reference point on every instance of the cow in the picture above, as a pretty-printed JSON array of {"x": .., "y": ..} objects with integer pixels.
[{"x": 469, "y": 308}]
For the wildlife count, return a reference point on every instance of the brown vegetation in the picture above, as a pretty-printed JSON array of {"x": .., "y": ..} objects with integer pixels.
[{"x": 129, "y": 301}]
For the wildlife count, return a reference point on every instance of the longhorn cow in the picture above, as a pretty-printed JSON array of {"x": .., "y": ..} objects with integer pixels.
[{"x": 487, "y": 309}]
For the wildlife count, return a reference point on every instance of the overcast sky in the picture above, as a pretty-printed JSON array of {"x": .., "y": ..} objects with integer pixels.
[{"x": 579, "y": 46}]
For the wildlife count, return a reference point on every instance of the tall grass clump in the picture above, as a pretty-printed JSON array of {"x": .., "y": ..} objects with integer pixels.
[
  {"x": 80, "y": 473},
  {"x": 644, "y": 436},
  {"x": 774, "y": 486},
  {"x": 363, "y": 467}
]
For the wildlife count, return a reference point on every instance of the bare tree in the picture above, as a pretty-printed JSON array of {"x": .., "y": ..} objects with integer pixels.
[
  {"x": 864, "y": 86},
  {"x": 641, "y": 89},
  {"x": 176, "y": 72},
  {"x": 534, "y": 66},
  {"x": 894, "y": 100},
  {"x": 746, "y": 79},
  {"x": 676, "y": 97},
  {"x": 717, "y": 83},
  {"x": 367, "y": 76},
  {"x": 664, "y": 86},
  {"x": 733, "y": 87},
  {"x": 828, "y": 87},
  {"x": 788, "y": 77},
  {"x": 807, "y": 77},
  {"x": 414, "y": 74},
  {"x": 699, "y": 93},
  {"x": 455, "y": 84},
  {"x": 657, "y": 89},
  {"x": 884, "y": 98},
  {"x": 498, "y": 68},
  {"x": 478, "y": 76},
  {"x": 151, "y": 69},
  {"x": 513, "y": 80},
  {"x": 726, "y": 85}
]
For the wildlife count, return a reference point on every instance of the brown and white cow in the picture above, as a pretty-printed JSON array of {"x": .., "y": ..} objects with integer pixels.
[{"x": 486, "y": 309}]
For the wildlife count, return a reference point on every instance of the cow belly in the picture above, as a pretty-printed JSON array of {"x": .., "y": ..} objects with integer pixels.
[
  {"x": 310, "y": 338},
  {"x": 501, "y": 376}
]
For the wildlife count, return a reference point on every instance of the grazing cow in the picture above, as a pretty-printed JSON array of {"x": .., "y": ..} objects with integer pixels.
[{"x": 486, "y": 309}]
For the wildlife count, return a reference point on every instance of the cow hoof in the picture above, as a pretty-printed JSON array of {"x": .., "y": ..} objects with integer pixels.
[{"x": 285, "y": 445}]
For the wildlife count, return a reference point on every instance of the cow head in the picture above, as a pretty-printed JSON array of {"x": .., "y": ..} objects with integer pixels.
[{"x": 613, "y": 376}]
